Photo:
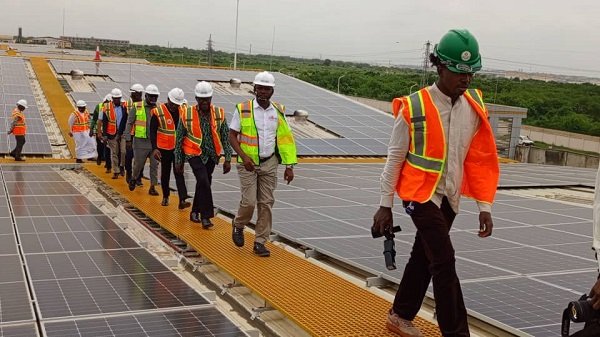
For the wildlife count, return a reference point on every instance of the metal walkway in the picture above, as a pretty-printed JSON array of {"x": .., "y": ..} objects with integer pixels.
[{"x": 318, "y": 301}]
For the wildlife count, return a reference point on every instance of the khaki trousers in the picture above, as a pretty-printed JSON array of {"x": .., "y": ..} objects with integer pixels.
[
  {"x": 257, "y": 188},
  {"x": 117, "y": 152}
]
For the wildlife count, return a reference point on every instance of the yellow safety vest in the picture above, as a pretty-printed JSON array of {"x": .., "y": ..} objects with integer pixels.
[
  {"x": 140, "y": 121},
  {"x": 248, "y": 138}
]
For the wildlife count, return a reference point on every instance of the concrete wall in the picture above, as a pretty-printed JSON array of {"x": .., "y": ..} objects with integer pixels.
[
  {"x": 562, "y": 138},
  {"x": 534, "y": 155}
]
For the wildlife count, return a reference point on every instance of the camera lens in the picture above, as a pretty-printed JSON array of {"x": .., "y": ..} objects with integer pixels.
[{"x": 581, "y": 311}]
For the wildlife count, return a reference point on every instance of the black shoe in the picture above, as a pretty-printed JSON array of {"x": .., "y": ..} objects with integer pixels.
[
  {"x": 108, "y": 169},
  {"x": 122, "y": 171},
  {"x": 184, "y": 204},
  {"x": 237, "y": 236},
  {"x": 165, "y": 202},
  {"x": 152, "y": 191},
  {"x": 206, "y": 223},
  {"x": 194, "y": 217},
  {"x": 131, "y": 185},
  {"x": 12, "y": 154},
  {"x": 261, "y": 250},
  {"x": 115, "y": 176},
  {"x": 79, "y": 161},
  {"x": 139, "y": 182},
  {"x": 19, "y": 159}
]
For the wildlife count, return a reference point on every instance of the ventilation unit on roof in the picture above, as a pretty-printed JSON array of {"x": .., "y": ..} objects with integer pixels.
[
  {"x": 235, "y": 83},
  {"x": 76, "y": 74}
]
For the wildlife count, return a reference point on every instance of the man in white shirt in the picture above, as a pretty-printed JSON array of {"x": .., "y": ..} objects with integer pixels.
[
  {"x": 262, "y": 138},
  {"x": 442, "y": 146}
]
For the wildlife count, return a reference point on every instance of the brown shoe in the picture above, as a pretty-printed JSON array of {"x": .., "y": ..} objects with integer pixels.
[{"x": 401, "y": 326}]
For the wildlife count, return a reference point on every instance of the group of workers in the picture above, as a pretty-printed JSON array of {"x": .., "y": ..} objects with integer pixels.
[
  {"x": 127, "y": 134},
  {"x": 442, "y": 146}
]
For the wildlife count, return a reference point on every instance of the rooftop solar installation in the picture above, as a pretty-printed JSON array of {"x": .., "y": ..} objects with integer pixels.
[
  {"x": 362, "y": 130},
  {"x": 15, "y": 85},
  {"x": 539, "y": 247},
  {"x": 85, "y": 273}
]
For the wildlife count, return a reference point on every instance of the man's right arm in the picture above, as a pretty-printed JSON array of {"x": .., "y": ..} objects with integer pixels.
[
  {"x": 130, "y": 123},
  {"x": 397, "y": 150}
]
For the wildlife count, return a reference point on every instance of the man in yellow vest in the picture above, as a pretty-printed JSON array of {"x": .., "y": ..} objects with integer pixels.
[
  {"x": 139, "y": 120},
  {"x": 442, "y": 146},
  {"x": 112, "y": 128},
  {"x": 102, "y": 148},
  {"x": 262, "y": 138},
  {"x": 18, "y": 128},
  {"x": 79, "y": 124},
  {"x": 165, "y": 119},
  {"x": 202, "y": 134}
]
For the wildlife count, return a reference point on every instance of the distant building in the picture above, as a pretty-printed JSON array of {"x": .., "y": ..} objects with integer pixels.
[
  {"x": 92, "y": 41},
  {"x": 7, "y": 39}
]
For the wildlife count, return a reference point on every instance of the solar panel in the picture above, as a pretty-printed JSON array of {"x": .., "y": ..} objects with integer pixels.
[
  {"x": 19, "y": 330},
  {"x": 196, "y": 322}
]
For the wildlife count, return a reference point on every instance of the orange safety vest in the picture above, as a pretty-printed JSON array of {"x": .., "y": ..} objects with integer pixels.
[
  {"x": 192, "y": 142},
  {"x": 20, "y": 128},
  {"x": 112, "y": 127},
  {"x": 165, "y": 134},
  {"x": 426, "y": 156},
  {"x": 81, "y": 123}
]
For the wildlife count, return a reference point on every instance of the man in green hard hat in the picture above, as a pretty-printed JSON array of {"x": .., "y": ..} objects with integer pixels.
[{"x": 442, "y": 146}]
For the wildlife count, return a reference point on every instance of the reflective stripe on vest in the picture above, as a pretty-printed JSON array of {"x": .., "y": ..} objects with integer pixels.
[
  {"x": 165, "y": 134},
  {"x": 420, "y": 175},
  {"x": 248, "y": 136},
  {"x": 111, "y": 128},
  {"x": 81, "y": 122},
  {"x": 192, "y": 142},
  {"x": 140, "y": 121},
  {"x": 20, "y": 127}
]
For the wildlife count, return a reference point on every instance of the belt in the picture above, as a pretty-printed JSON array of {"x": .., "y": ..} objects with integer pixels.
[{"x": 262, "y": 160}]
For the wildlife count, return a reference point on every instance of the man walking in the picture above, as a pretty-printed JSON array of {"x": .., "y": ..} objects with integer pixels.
[
  {"x": 165, "y": 119},
  {"x": 262, "y": 138},
  {"x": 136, "y": 91},
  {"x": 102, "y": 148},
  {"x": 442, "y": 146},
  {"x": 114, "y": 119},
  {"x": 202, "y": 134},
  {"x": 79, "y": 124},
  {"x": 18, "y": 128},
  {"x": 140, "y": 118}
]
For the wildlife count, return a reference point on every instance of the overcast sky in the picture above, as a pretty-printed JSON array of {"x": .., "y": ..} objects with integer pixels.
[{"x": 531, "y": 35}]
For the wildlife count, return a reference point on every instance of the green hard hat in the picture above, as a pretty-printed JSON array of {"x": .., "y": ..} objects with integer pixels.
[{"x": 458, "y": 50}]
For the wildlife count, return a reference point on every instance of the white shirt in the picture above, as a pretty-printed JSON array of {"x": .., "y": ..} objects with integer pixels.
[
  {"x": 596, "y": 217},
  {"x": 460, "y": 122},
  {"x": 266, "y": 126}
]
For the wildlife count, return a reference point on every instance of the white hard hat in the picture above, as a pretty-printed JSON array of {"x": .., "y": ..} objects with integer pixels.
[
  {"x": 116, "y": 93},
  {"x": 81, "y": 104},
  {"x": 137, "y": 88},
  {"x": 264, "y": 78},
  {"x": 152, "y": 89},
  {"x": 22, "y": 103},
  {"x": 176, "y": 96},
  {"x": 108, "y": 97},
  {"x": 203, "y": 89}
]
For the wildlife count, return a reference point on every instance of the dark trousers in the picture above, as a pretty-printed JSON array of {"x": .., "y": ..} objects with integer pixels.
[
  {"x": 16, "y": 152},
  {"x": 167, "y": 161},
  {"x": 100, "y": 150},
  {"x": 432, "y": 256},
  {"x": 128, "y": 163},
  {"x": 107, "y": 159},
  {"x": 203, "y": 201}
]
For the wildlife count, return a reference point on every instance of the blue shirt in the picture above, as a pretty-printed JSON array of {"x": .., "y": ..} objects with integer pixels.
[{"x": 119, "y": 113}]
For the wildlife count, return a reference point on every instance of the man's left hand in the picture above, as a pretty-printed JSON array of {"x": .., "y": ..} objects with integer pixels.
[
  {"x": 226, "y": 167},
  {"x": 485, "y": 224},
  {"x": 288, "y": 175}
]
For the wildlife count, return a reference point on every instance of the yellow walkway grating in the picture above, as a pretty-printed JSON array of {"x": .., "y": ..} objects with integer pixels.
[
  {"x": 58, "y": 101},
  {"x": 318, "y": 301}
]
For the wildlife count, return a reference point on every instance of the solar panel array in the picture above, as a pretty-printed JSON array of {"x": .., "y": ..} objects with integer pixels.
[
  {"x": 86, "y": 275},
  {"x": 538, "y": 259},
  {"x": 363, "y": 130},
  {"x": 15, "y": 85}
]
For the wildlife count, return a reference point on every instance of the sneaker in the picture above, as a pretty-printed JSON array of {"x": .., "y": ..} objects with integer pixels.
[
  {"x": 108, "y": 170},
  {"x": 152, "y": 191},
  {"x": 19, "y": 159},
  {"x": 165, "y": 202},
  {"x": 237, "y": 236},
  {"x": 79, "y": 161},
  {"x": 261, "y": 250},
  {"x": 194, "y": 217},
  {"x": 206, "y": 223},
  {"x": 402, "y": 327}
]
